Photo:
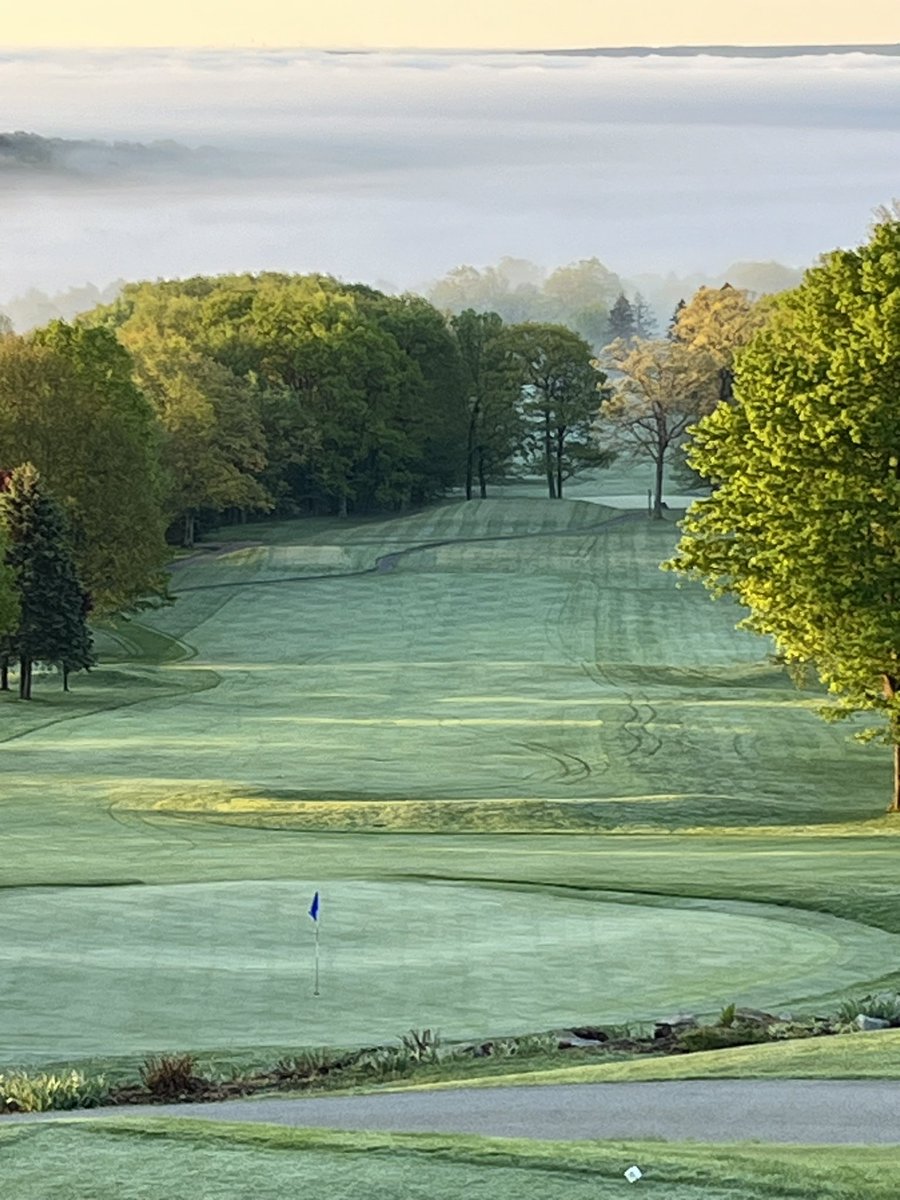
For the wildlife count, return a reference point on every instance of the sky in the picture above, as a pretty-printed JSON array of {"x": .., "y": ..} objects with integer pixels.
[
  {"x": 394, "y": 168},
  {"x": 460, "y": 24}
]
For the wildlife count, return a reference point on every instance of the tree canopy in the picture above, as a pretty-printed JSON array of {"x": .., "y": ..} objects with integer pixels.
[
  {"x": 299, "y": 392},
  {"x": 802, "y": 525},
  {"x": 718, "y": 321},
  {"x": 69, "y": 405},
  {"x": 661, "y": 388},
  {"x": 492, "y": 389},
  {"x": 560, "y": 401}
]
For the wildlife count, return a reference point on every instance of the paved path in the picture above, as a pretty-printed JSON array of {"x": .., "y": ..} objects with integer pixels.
[{"x": 717, "y": 1110}]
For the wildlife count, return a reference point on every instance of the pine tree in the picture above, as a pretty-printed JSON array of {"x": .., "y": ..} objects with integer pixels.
[
  {"x": 621, "y": 319},
  {"x": 53, "y": 606},
  {"x": 644, "y": 317}
]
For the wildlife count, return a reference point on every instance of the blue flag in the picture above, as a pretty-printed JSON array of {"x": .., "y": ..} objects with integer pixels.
[{"x": 314, "y": 907}]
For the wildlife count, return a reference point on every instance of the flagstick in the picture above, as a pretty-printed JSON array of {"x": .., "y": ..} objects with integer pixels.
[{"x": 316, "y": 988}]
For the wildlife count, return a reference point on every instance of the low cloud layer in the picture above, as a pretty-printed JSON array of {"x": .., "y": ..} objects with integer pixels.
[{"x": 398, "y": 167}]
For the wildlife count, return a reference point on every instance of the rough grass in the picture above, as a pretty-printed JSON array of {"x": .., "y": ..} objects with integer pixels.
[
  {"x": 548, "y": 679},
  {"x": 848, "y": 1056},
  {"x": 159, "y": 1159}
]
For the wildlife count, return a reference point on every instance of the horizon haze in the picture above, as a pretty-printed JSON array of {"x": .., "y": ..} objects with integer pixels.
[{"x": 394, "y": 168}]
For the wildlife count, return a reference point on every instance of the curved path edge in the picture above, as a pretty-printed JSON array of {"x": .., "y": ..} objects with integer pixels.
[{"x": 802, "y": 1112}]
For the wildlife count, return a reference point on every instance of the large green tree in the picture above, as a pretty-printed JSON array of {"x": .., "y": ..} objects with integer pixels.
[
  {"x": 52, "y": 606},
  {"x": 559, "y": 400},
  {"x": 357, "y": 396},
  {"x": 492, "y": 391},
  {"x": 68, "y": 404},
  {"x": 212, "y": 446},
  {"x": 802, "y": 526}
]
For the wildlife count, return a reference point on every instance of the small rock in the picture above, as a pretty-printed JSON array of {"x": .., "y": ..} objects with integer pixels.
[
  {"x": 590, "y": 1033},
  {"x": 754, "y": 1016},
  {"x": 673, "y": 1026},
  {"x": 869, "y": 1024}
]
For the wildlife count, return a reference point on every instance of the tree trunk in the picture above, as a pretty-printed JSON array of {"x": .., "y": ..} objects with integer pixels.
[
  {"x": 889, "y": 688},
  {"x": 65, "y": 675},
  {"x": 470, "y": 453},
  {"x": 560, "y": 446},
  {"x": 548, "y": 458},
  {"x": 658, "y": 488},
  {"x": 24, "y": 678},
  {"x": 342, "y": 506},
  {"x": 4, "y": 673},
  {"x": 189, "y": 530},
  {"x": 482, "y": 482}
]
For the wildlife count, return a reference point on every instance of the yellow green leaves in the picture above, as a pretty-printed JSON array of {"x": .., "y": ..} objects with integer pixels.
[{"x": 804, "y": 526}]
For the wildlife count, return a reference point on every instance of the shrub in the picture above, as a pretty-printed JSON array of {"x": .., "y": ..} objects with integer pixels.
[
  {"x": 170, "y": 1075},
  {"x": 388, "y": 1062},
  {"x": 885, "y": 1005},
  {"x": 520, "y": 1047},
  {"x": 422, "y": 1044},
  {"x": 21, "y": 1092},
  {"x": 719, "y": 1037},
  {"x": 306, "y": 1065},
  {"x": 727, "y": 1016}
]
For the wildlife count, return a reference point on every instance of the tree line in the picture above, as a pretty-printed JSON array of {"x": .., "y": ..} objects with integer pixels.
[{"x": 184, "y": 402}]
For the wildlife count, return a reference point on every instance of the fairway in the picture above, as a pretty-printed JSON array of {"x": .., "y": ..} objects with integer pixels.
[{"x": 505, "y": 692}]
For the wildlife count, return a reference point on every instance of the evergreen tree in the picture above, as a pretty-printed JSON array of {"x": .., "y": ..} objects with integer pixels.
[
  {"x": 621, "y": 320},
  {"x": 53, "y": 606},
  {"x": 644, "y": 317}
]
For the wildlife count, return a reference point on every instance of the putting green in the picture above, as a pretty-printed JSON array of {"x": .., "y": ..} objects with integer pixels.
[{"x": 133, "y": 969}]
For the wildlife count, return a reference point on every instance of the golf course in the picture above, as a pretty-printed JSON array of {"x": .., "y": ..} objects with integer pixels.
[{"x": 535, "y": 781}]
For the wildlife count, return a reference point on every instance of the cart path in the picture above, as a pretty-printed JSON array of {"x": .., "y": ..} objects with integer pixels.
[{"x": 828, "y": 1112}]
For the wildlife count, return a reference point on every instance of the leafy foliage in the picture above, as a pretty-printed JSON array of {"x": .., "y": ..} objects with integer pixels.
[
  {"x": 492, "y": 391},
  {"x": 42, "y": 1092},
  {"x": 296, "y": 391},
  {"x": 719, "y": 322},
  {"x": 560, "y": 401},
  {"x": 68, "y": 404},
  {"x": 661, "y": 387},
  {"x": 885, "y": 1005},
  {"x": 802, "y": 525},
  {"x": 170, "y": 1075}
]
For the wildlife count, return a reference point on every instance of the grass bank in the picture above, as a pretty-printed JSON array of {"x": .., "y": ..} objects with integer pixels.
[{"x": 155, "y": 1160}]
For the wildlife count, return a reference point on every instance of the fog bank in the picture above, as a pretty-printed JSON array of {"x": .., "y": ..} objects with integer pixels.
[{"x": 396, "y": 167}]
